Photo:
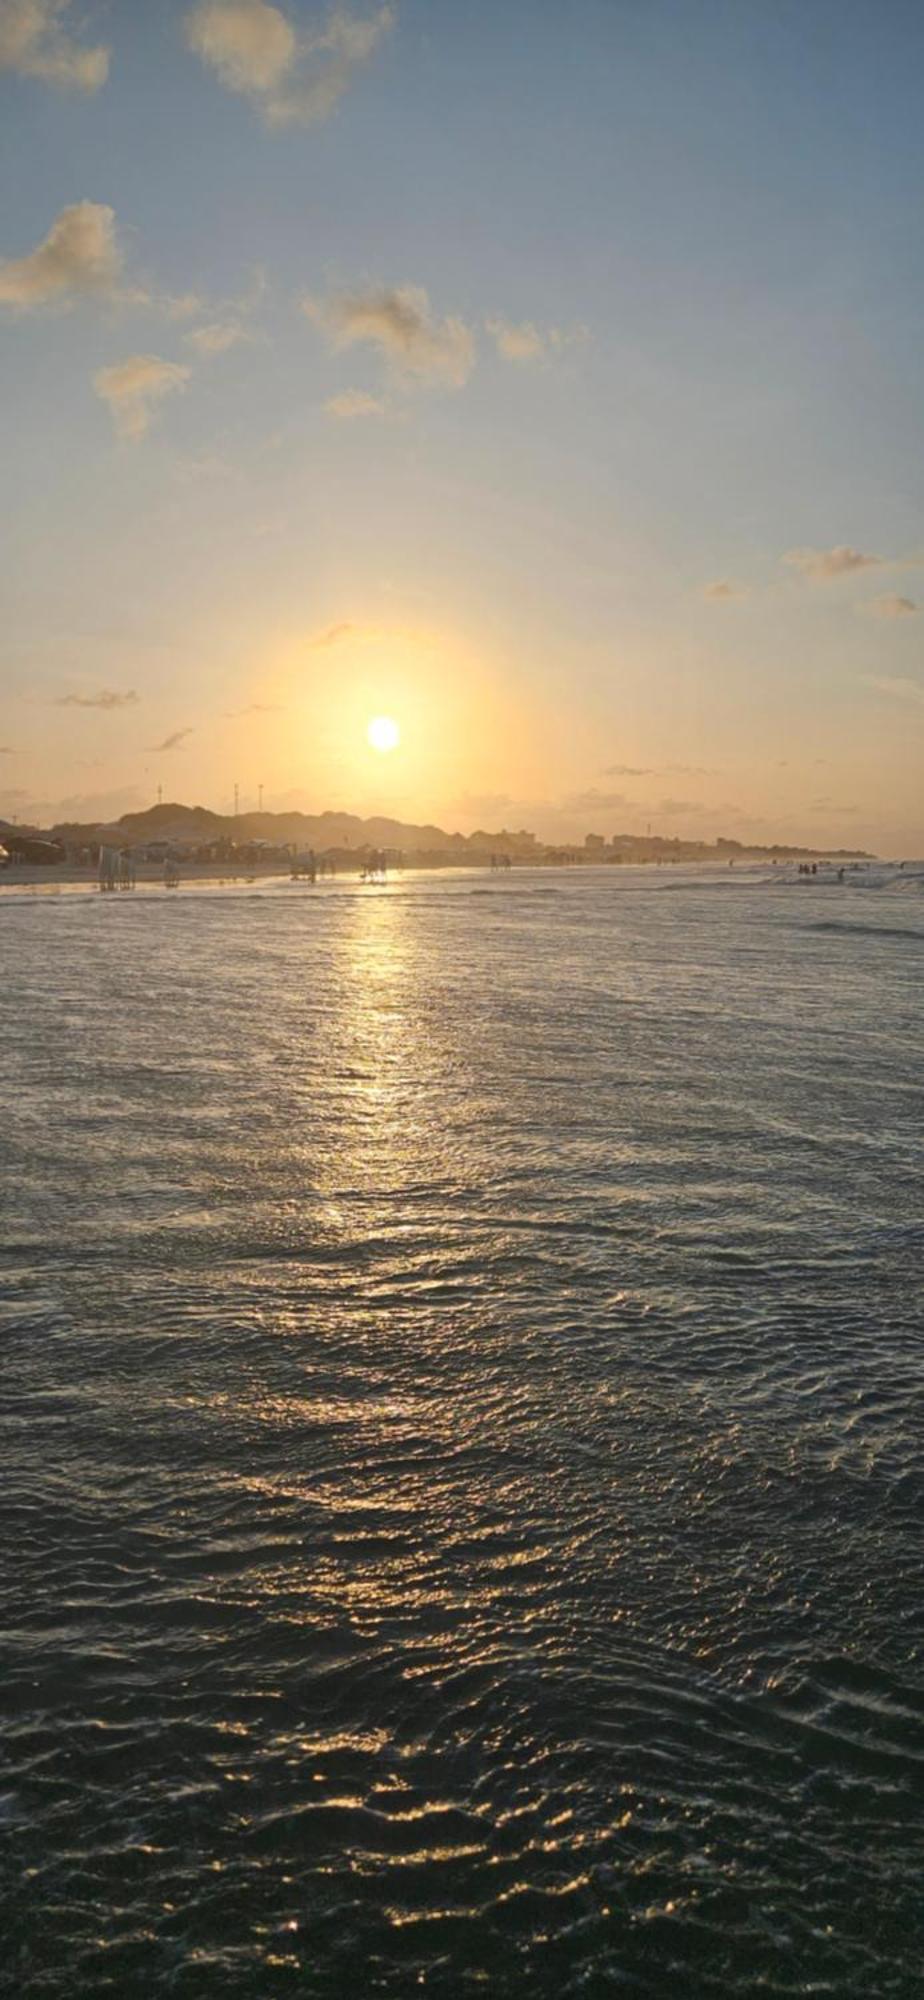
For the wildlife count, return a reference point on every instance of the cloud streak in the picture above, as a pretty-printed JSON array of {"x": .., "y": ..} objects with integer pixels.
[
  {"x": 254, "y": 708},
  {"x": 35, "y": 43},
  {"x": 825, "y": 565},
  {"x": 293, "y": 77},
  {"x": 79, "y": 257},
  {"x": 662, "y": 771},
  {"x": 171, "y": 742},
  {"x": 594, "y": 801},
  {"x": 398, "y": 321},
  {"x": 354, "y": 403},
  {"x": 897, "y": 685},
  {"x": 331, "y": 637},
  {"x": 891, "y": 606},
  {"x": 106, "y": 698},
  {"x": 723, "y": 592},
  {"x": 133, "y": 389}
]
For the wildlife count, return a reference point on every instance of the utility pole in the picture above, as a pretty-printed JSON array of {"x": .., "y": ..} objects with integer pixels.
[
  {"x": 260, "y": 796},
  {"x": 160, "y": 795},
  {"x": 235, "y": 801}
]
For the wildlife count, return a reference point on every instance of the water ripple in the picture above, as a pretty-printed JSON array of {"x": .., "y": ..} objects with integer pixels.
[{"x": 462, "y": 1443}]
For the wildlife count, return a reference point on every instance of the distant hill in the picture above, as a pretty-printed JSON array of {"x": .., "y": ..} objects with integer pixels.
[
  {"x": 343, "y": 833},
  {"x": 319, "y": 830},
  {"x": 175, "y": 822}
]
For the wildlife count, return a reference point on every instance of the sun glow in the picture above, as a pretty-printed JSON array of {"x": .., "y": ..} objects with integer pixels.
[{"x": 383, "y": 733}]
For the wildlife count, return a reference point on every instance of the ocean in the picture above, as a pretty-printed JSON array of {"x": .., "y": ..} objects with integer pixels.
[{"x": 462, "y": 1469}]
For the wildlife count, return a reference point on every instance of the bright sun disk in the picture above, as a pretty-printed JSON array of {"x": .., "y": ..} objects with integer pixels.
[{"x": 383, "y": 733}]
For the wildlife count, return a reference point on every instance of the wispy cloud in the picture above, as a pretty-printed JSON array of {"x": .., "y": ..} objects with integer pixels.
[
  {"x": 35, "y": 43},
  {"x": 92, "y": 808},
  {"x": 355, "y": 403},
  {"x": 254, "y": 708},
  {"x": 104, "y": 698},
  {"x": 824, "y": 565},
  {"x": 890, "y": 606},
  {"x": 184, "y": 306},
  {"x": 293, "y": 76},
  {"x": 659, "y": 771},
  {"x": 6, "y": 749},
  {"x": 680, "y": 808},
  {"x": 133, "y": 388},
  {"x": 216, "y": 338},
  {"x": 171, "y": 742},
  {"x": 723, "y": 592},
  {"x": 229, "y": 322},
  {"x": 594, "y": 801},
  {"x": 79, "y": 257},
  {"x": 482, "y": 805},
  {"x": 523, "y": 340},
  {"x": 399, "y": 322},
  {"x": 897, "y": 685},
  {"x": 206, "y": 465},
  {"x": 331, "y": 637}
]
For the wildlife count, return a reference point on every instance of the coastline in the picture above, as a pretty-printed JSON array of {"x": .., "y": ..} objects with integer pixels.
[{"x": 34, "y": 876}]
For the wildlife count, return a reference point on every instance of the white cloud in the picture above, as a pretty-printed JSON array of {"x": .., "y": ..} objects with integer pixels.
[
  {"x": 525, "y": 341},
  {"x": 79, "y": 256},
  {"x": 295, "y": 78},
  {"x": 216, "y": 338},
  {"x": 248, "y": 43},
  {"x": 132, "y": 388},
  {"x": 397, "y": 319},
  {"x": 34, "y": 43},
  {"x": 890, "y": 606},
  {"x": 517, "y": 343},
  {"x": 723, "y": 592},
  {"x": 355, "y": 403},
  {"x": 824, "y": 565},
  {"x": 897, "y": 685}
]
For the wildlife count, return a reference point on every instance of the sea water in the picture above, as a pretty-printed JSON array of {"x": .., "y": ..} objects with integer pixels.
[{"x": 461, "y": 1440}]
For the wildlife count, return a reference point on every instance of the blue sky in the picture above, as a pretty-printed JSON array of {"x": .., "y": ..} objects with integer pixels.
[{"x": 548, "y": 376}]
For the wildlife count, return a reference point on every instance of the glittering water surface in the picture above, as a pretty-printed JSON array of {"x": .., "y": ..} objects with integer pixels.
[{"x": 462, "y": 1471}]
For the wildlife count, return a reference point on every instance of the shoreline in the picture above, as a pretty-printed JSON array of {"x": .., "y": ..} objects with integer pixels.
[{"x": 150, "y": 875}]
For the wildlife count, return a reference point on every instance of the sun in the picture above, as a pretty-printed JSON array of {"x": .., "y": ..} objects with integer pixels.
[{"x": 383, "y": 733}]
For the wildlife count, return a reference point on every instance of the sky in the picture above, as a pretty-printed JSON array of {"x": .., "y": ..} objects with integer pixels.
[{"x": 547, "y": 378}]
